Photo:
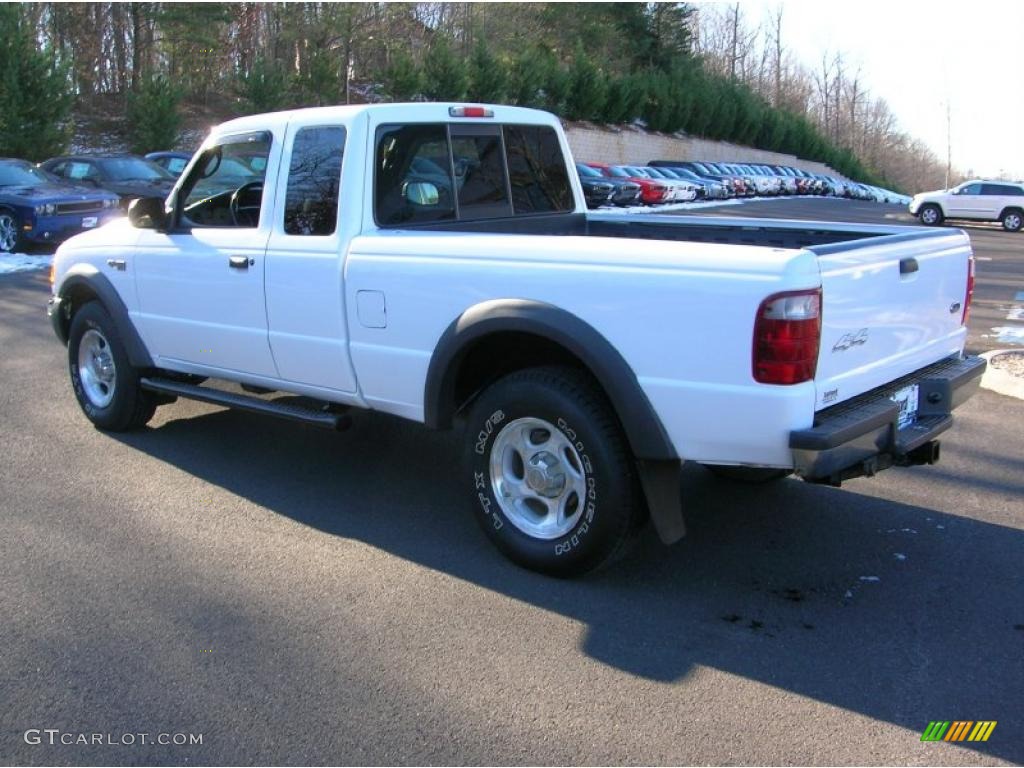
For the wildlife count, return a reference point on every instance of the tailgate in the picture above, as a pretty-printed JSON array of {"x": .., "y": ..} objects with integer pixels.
[{"x": 890, "y": 305}]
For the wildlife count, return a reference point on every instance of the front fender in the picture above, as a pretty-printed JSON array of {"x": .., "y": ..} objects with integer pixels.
[{"x": 83, "y": 282}]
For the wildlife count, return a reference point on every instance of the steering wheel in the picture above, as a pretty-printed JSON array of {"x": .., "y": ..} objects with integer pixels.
[{"x": 235, "y": 207}]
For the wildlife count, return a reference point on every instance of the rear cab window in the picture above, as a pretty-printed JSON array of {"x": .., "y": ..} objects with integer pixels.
[{"x": 440, "y": 172}]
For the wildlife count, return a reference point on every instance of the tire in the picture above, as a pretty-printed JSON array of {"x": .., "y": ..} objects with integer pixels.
[
  {"x": 748, "y": 475},
  {"x": 105, "y": 382},
  {"x": 554, "y": 485},
  {"x": 1012, "y": 220},
  {"x": 10, "y": 231},
  {"x": 930, "y": 215}
]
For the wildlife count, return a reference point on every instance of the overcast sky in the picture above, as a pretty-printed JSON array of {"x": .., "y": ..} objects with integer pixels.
[{"x": 917, "y": 55}]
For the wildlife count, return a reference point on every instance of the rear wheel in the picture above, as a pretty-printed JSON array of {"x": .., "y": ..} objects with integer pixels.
[
  {"x": 554, "y": 483},
  {"x": 1012, "y": 220},
  {"x": 105, "y": 382},
  {"x": 930, "y": 215}
]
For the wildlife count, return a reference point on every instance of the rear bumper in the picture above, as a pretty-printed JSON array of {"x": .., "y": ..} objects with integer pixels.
[{"x": 861, "y": 436}]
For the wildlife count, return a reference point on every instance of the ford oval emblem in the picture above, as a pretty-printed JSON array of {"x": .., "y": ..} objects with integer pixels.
[{"x": 954, "y": 307}]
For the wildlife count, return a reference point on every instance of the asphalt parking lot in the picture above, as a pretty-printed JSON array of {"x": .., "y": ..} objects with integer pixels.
[{"x": 299, "y": 597}]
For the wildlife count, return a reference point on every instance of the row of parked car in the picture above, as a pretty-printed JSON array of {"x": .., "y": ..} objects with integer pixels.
[
  {"x": 674, "y": 181},
  {"x": 62, "y": 196},
  {"x": 49, "y": 202}
]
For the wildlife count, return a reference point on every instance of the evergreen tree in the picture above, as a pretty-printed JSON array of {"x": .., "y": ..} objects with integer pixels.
[
  {"x": 264, "y": 88},
  {"x": 555, "y": 84},
  {"x": 487, "y": 76},
  {"x": 444, "y": 73},
  {"x": 526, "y": 78},
  {"x": 588, "y": 88},
  {"x": 153, "y": 119},
  {"x": 402, "y": 79},
  {"x": 35, "y": 92}
]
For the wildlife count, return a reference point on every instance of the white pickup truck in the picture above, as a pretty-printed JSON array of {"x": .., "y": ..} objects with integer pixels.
[{"x": 438, "y": 262}]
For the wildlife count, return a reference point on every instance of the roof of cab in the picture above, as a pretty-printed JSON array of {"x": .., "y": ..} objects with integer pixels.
[{"x": 399, "y": 112}]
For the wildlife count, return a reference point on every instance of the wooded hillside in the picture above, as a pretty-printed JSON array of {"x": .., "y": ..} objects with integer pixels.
[{"x": 663, "y": 64}]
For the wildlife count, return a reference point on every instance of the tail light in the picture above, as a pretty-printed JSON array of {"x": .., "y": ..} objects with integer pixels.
[
  {"x": 53, "y": 274},
  {"x": 787, "y": 334},
  {"x": 969, "y": 296}
]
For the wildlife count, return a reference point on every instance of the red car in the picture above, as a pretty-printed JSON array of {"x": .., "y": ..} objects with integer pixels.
[{"x": 652, "y": 192}]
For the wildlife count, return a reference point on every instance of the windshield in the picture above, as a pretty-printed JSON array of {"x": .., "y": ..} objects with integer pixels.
[
  {"x": 134, "y": 169},
  {"x": 20, "y": 175},
  {"x": 618, "y": 172},
  {"x": 586, "y": 170}
]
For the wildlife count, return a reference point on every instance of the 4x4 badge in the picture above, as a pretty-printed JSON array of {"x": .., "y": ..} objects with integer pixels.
[{"x": 851, "y": 340}]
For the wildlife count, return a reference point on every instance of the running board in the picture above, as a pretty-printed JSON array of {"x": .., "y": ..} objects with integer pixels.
[{"x": 326, "y": 419}]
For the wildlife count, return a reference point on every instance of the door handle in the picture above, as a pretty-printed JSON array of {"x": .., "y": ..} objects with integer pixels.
[
  {"x": 908, "y": 266},
  {"x": 240, "y": 262}
]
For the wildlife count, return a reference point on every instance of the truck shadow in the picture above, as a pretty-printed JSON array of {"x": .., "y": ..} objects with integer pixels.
[{"x": 894, "y": 611}]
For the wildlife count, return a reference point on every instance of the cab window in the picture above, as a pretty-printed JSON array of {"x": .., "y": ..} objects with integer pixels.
[
  {"x": 970, "y": 189},
  {"x": 314, "y": 176},
  {"x": 413, "y": 178},
  {"x": 223, "y": 189}
]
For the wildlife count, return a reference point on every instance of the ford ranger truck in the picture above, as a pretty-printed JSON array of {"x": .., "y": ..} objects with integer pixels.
[{"x": 438, "y": 262}]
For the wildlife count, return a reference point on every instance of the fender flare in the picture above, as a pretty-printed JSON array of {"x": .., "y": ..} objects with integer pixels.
[
  {"x": 643, "y": 428},
  {"x": 87, "y": 277}
]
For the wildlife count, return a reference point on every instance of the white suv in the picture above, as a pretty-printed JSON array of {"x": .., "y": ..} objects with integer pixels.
[{"x": 975, "y": 200}]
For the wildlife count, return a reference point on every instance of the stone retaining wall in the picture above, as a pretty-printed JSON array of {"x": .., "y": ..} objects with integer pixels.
[{"x": 626, "y": 145}]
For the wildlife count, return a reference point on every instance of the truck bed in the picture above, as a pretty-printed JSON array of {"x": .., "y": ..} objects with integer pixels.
[{"x": 773, "y": 233}]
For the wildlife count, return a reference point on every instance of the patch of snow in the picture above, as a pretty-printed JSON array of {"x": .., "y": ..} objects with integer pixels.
[
  {"x": 870, "y": 578},
  {"x": 22, "y": 262},
  {"x": 1010, "y": 334},
  {"x": 899, "y": 556}
]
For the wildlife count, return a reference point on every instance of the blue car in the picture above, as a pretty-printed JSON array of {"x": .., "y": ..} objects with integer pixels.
[
  {"x": 35, "y": 207},
  {"x": 172, "y": 162}
]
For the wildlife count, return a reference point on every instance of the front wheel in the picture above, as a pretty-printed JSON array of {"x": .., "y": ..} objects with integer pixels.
[
  {"x": 10, "y": 232},
  {"x": 1012, "y": 221},
  {"x": 105, "y": 382},
  {"x": 553, "y": 481},
  {"x": 930, "y": 215}
]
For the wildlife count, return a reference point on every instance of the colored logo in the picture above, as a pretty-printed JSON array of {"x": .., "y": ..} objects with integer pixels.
[{"x": 958, "y": 730}]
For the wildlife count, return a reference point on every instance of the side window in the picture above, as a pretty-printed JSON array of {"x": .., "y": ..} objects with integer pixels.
[
  {"x": 536, "y": 169},
  {"x": 314, "y": 176},
  {"x": 176, "y": 165},
  {"x": 223, "y": 189},
  {"x": 412, "y": 175},
  {"x": 971, "y": 189},
  {"x": 477, "y": 155},
  {"x": 991, "y": 189},
  {"x": 60, "y": 169},
  {"x": 78, "y": 170}
]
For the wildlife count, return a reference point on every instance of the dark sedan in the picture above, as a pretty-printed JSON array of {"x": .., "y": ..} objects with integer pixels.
[
  {"x": 172, "y": 162},
  {"x": 128, "y": 176},
  {"x": 37, "y": 208},
  {"x": 616, "y": 191}
]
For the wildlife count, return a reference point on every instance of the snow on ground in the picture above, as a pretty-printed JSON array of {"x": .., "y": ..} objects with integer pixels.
[{"x": 22, "y": 262}]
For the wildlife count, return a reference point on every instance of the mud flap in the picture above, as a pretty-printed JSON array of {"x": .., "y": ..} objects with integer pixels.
[{"x": 660, "y": 481}]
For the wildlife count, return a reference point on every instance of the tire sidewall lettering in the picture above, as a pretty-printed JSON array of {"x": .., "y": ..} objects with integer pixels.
[{"x": 491, "y": 510}]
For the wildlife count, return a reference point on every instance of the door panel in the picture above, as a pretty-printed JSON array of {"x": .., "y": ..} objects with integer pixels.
[
  {"x": 201, "y": 285},
  {"x": 305, "y": 288}
]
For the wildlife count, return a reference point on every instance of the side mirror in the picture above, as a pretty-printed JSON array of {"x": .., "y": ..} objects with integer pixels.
[
  {"x": 147, "y": 213},
  {"x": 422, "y": 193}
]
